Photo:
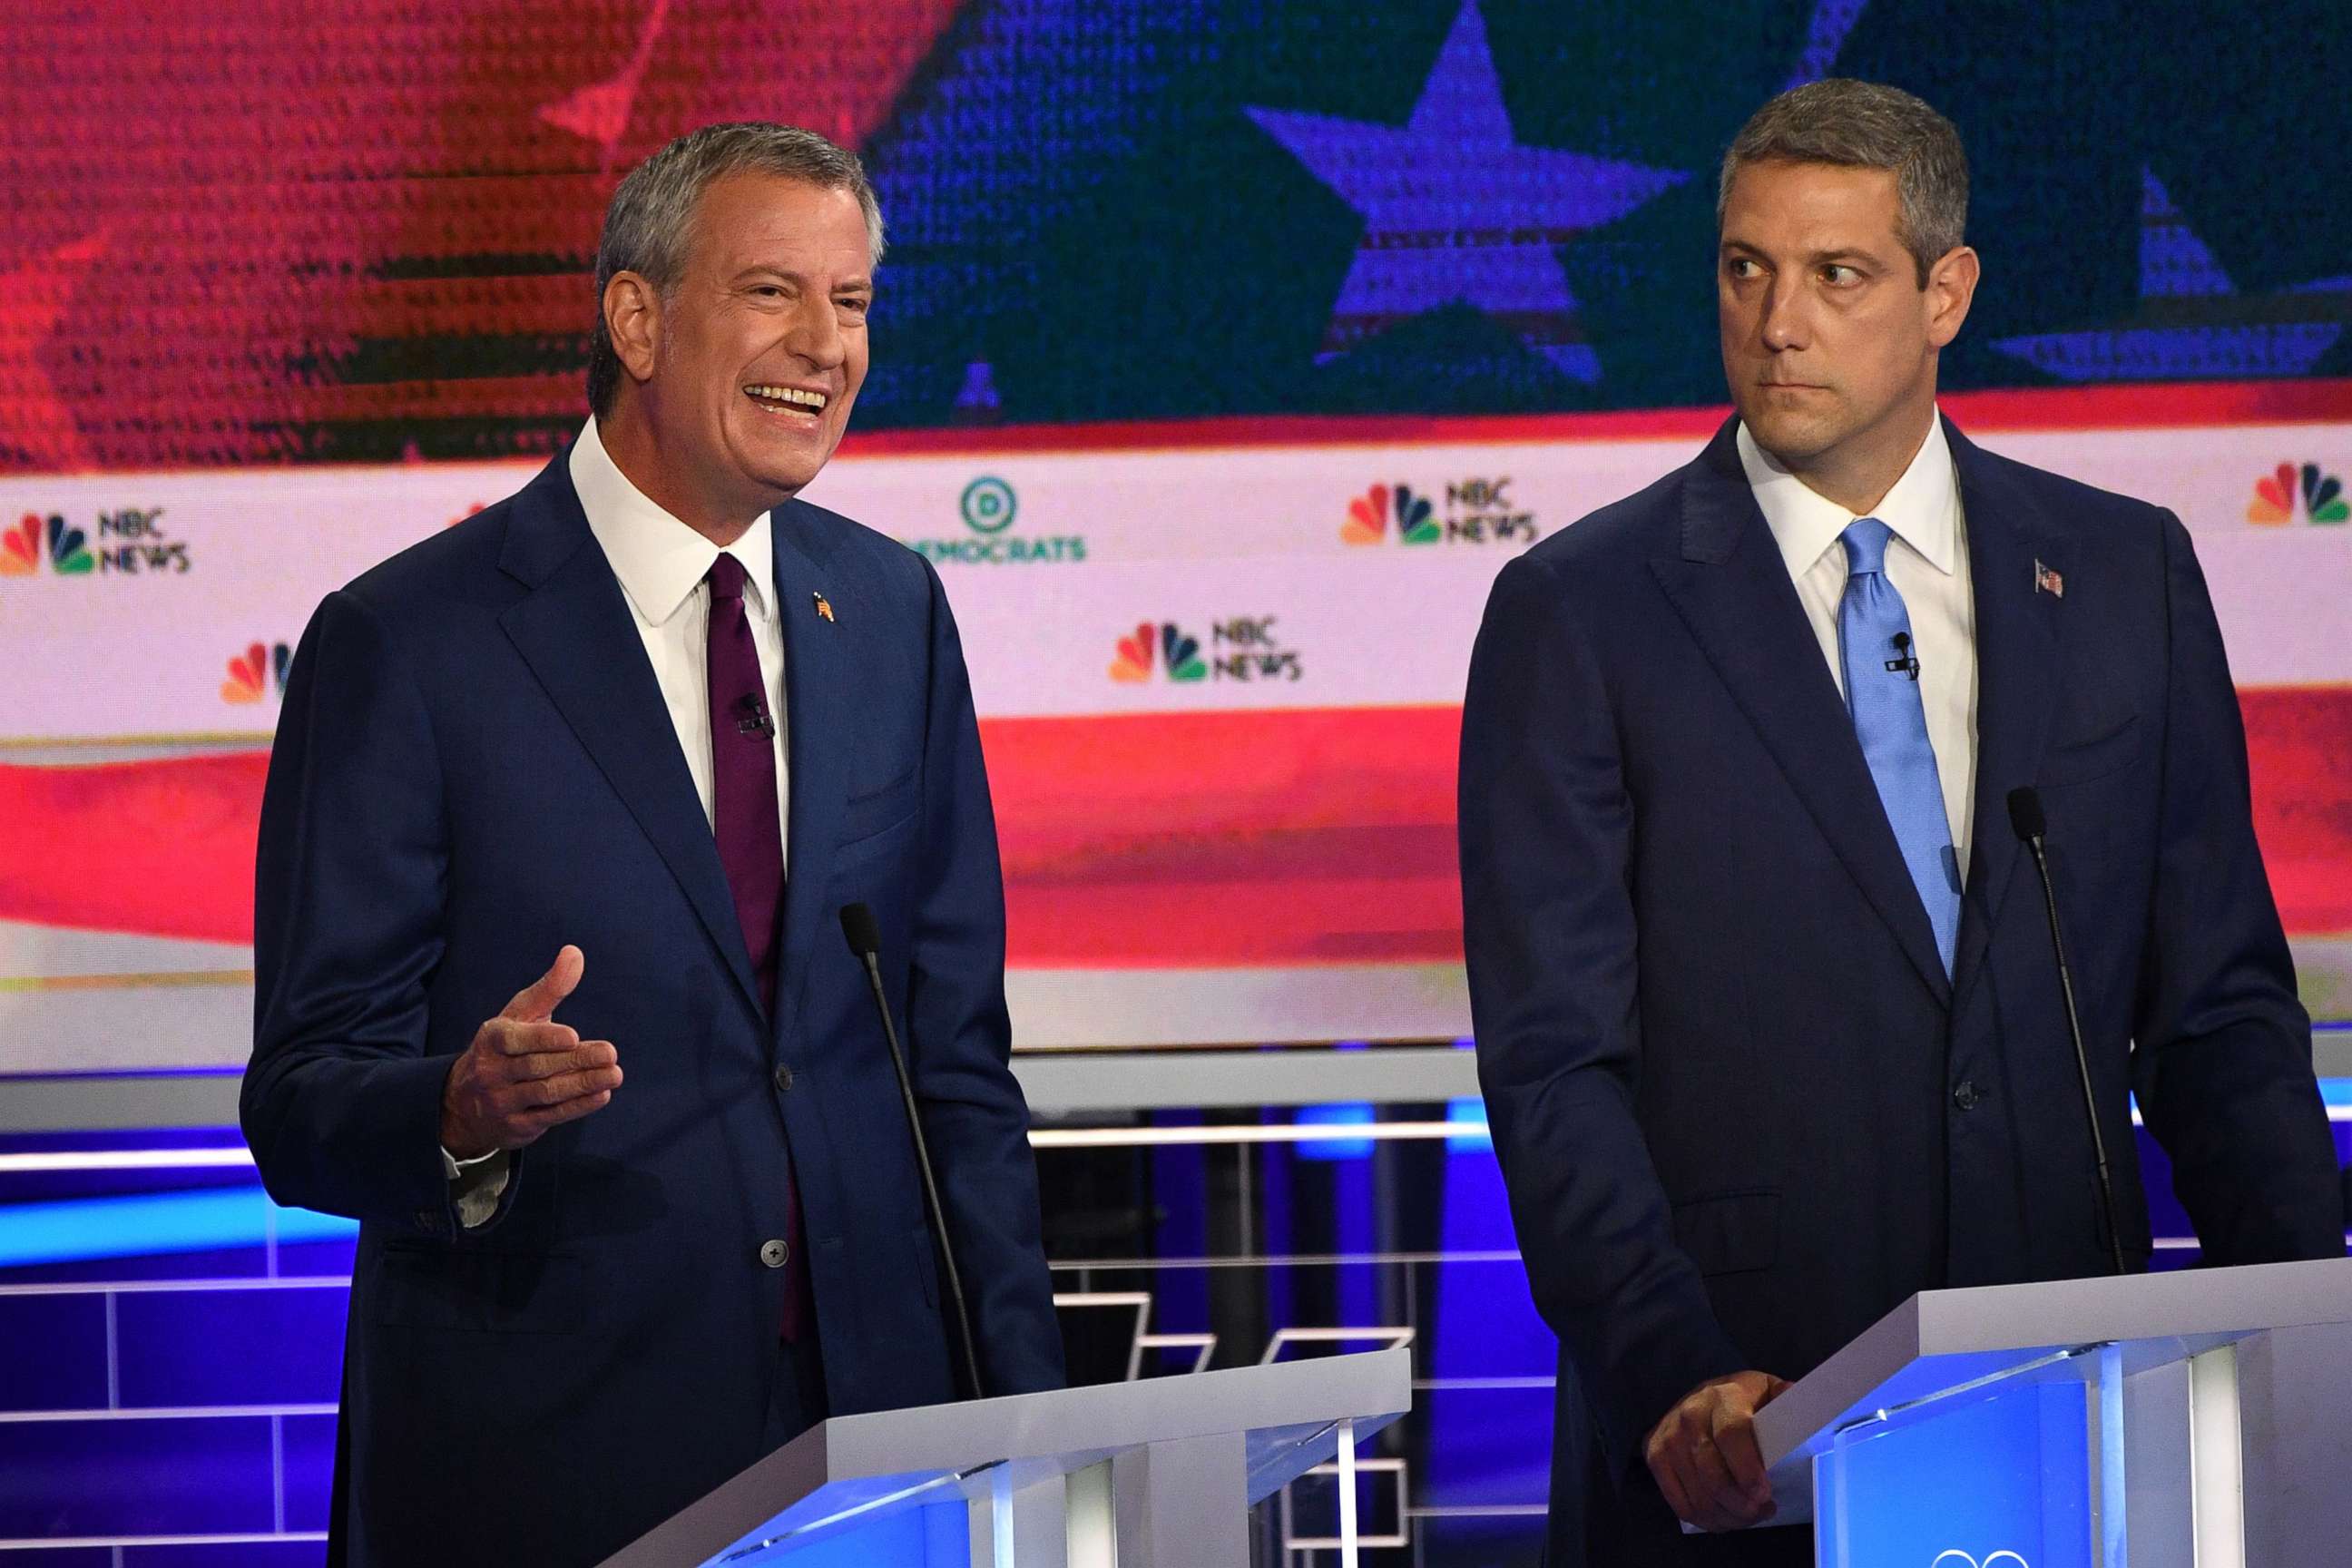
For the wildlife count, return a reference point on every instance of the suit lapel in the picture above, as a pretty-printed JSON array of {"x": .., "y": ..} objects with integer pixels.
[
  {"x": 2017, "y": 637},
  {"x": 575, "y": 631},
  {"x": 819, "y": 694},
  {"x": 1731, "y": 586}
]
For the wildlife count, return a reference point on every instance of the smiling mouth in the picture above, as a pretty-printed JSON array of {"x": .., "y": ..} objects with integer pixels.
[{"x": 786, "y": 399}]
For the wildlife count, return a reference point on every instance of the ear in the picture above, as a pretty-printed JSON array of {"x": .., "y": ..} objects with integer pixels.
[
  {"x": 1951, "y": 285},
  {"x": 632, "y": 320}
]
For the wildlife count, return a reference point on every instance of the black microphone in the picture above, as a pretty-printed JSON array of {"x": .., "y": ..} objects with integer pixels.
[
  {"x": 866, "y": 944},
  {"x": 2026, "y": 816},
  {"x": 751, "y": 716},
  {"x": 1904, "y": 661}
]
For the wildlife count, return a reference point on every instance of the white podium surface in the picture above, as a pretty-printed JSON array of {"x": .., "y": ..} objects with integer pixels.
[
  {"x": 2194, "y": 1447},
  {"x": 1158, "y": 1473}
]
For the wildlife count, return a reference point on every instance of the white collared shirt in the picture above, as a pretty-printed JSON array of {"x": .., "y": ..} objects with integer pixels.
[
  {"x": 662, "y": 564},
  {"x": 1926, "y": 561}
]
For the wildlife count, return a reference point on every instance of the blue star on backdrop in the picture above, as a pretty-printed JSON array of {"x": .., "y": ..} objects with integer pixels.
[
  {"x": 2192, "y": 324},
  {"x": 1457, "y": 210}
]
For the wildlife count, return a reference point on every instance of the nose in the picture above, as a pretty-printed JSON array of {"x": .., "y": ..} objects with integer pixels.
[
  {"x": 816, "y": 335},
  {"x": 1784, "y": 324}
]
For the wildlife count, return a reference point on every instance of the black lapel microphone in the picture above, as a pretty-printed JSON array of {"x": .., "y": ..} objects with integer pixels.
[
  {"x": 2026, "y": 816},
  {"x": 866, "y": 944},
  {"x": 751, "y": 716}
]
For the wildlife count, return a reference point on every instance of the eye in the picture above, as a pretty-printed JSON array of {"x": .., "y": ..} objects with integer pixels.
[
  {"x": 1742, "y": 267},
  {"x": 855, "y": 304},
  {"x": 1839, "y": 273}
]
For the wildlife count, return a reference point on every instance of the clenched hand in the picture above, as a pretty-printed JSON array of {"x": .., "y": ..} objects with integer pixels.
[{"x": 1704, "y": 1457}]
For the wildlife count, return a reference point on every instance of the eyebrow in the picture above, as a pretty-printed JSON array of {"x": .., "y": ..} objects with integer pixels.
[
  {"x": 847, "y": 285},
  {"x": 1842, "y": 256}
]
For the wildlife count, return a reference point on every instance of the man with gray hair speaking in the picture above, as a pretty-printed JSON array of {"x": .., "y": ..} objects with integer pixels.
[
  {"x": 640, "y": 731},
  {"x": 1768, "y": 1022}
]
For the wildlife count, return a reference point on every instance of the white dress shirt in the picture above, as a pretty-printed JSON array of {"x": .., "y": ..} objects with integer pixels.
[
  {"x": 662, "y": 564},
  {"x": 1926, "y": 561}
]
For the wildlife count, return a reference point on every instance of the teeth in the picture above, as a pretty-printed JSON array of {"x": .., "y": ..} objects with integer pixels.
[{"x": 792, "y": 394}]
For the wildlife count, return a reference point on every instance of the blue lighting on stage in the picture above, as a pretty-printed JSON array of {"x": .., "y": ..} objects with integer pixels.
[{"x": 209, "y": 1218}]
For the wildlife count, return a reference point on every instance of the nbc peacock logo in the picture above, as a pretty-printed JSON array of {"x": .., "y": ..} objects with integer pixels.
[
  {"x": 1478, "y": 509},
  {"x": 257, "y": 674},
  {"x": 2287, "y": 489},
  {"x": 1238, "y": 647},
  {"x": 1369, "y": 515},
  {"x": 1177, "y": 653},
  {"x": 68, "y": 547}
]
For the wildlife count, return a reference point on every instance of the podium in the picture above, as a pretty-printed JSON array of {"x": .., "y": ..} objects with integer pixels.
[
  {"x": 1153, "y": 1474},
  {"x": 2077, "y": 1424}
]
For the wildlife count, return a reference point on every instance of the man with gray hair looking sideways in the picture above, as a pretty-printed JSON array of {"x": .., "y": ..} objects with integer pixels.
[
  {"x": 1769, "y": 1020},
  {"x": 641, "y": 730}
]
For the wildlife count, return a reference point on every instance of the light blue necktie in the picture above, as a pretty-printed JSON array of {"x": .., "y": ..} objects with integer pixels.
[{"x": 1882, "y": 692}]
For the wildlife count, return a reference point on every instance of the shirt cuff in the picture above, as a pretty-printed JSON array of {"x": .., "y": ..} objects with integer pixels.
[
  {"x": 453, "y": 1167},
  {"x": 475, "y": 1186}
]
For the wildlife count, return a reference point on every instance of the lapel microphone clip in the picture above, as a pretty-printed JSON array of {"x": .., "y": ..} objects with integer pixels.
[{"x": 751, "y": 716}]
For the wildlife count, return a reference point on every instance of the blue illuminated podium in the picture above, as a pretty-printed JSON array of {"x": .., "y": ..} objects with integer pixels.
[
  {"x": 2079, "y": 1423},
  {"x": 1159, "y": 1473}
]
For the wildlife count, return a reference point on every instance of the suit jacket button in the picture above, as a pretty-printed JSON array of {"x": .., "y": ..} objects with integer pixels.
[
  {"x": 784, "y": 1078},
  {"x": 773, "y": 1253},
  {"x": 428, "y": 1220},
  {"x": 1965, "y": 1095}
]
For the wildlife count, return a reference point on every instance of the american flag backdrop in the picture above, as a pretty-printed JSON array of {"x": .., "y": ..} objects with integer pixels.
[{"x": 1199, "y": 318}]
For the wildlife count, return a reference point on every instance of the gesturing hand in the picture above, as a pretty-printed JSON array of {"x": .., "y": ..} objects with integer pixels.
[
  {"x": 525, "y": 1073},
  {"x": 1704, "y": 1457}
]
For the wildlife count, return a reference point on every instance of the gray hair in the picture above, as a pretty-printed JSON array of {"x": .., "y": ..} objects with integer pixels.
[
  {"x": 652, "y": 215},
  {"x": 1865, "y": 125}
]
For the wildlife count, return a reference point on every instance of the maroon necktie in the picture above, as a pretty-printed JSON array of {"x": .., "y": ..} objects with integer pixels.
[{"x": 745, "y": 819}]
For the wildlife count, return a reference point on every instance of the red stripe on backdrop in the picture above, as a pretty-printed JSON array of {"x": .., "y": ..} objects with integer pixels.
[
  {"x": 2153, "y": 407},
  {"x": 2299, "y": 740},
  {"x": 1176, "y": 840},
  {"x": 155, "y": 848}
]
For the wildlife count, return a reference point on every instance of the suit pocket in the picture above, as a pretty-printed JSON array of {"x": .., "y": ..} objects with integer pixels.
[
  {"x": 927, "y": 1266},
  {"x": 869, "y": 820},
  {"x": 1730, "y": 1233},
  {"x": 481, "y": 1289},
  {"x": 2095, "y": 757}
]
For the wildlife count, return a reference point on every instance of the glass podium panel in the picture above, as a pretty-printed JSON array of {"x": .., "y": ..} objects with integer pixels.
[{"x": 2023, "y": 1469}]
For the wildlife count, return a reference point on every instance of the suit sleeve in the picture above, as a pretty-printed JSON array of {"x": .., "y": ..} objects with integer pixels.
[
  {"x": 1546, "y": 827},
  {"x": 959, "y": 1042},
  {"x": 340, "y": 1103},
  {"x": 2222, "y": 1057}
]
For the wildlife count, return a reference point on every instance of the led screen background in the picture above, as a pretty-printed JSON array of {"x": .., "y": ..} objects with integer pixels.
[{"x": 1224, "y": 353}]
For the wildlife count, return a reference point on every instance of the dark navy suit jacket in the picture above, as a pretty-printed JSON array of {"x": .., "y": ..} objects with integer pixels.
[
  {"x": 1740, "y": 1109},
  {"x": 474, "y": 767}
]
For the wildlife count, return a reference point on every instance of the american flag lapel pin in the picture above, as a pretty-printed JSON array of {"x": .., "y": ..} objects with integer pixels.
[
  {"x": 2045, "y": 581},
  {"x": 822, "y": 608}
]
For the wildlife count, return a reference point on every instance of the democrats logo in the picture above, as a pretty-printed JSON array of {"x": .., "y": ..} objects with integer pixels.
[
  {"x": 257, "y": 673},
  {"x": 989, "y": 508},
  {"x": 2288, "y": 489},
  {"x": 131, "y": 541},
  {"x": 1244, "y": 648},
  {"x": 1478, "y": 510}
]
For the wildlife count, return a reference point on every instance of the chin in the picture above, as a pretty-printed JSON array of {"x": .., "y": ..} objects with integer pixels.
[{"x": 1789, "y": 435}]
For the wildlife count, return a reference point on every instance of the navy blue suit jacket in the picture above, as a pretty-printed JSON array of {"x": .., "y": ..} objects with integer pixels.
[
  {"x": 474, "y": 767},
  {"x": 1740, "y": 1109}
]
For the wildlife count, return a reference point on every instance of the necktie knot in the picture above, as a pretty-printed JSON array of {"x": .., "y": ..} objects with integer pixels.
[
  {"x": 726, "y": 577},
  {"x": 1865, "y": 546}
]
